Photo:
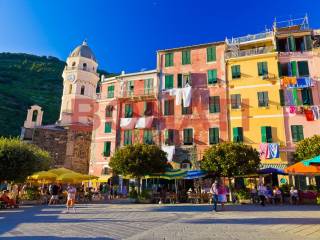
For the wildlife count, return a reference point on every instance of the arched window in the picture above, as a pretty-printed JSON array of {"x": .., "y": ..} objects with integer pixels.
[
  {"x": 73, "y": 64},
  {"x": 70, "y": 88},
  {"x": 34, "y": 115},
  {"x": 84, "y": 66},
  {"x": 82, "y": 90}
]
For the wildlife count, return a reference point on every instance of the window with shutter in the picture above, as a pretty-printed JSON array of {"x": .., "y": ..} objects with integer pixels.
[
  {"x": 235, "y": 71},
  {"x": 188, "y": 136},
  {"x": 107, "y": 127},
  {"x": 266, "y": 134},
  {"x": 107, "y": 149},
  {"x": 169, "y": 136},
  {"x": 168, "y": 82},
  {"x": 147, "y": 137},
  {"x": 308, "y": 41},
  {"x": 211, "y": 54},
  {"x": 148, "y": 86},
  {"x": 213, "y": 135},
  {"x": 214, "y": 104},
  {"x": 168, "y": 59},
  {"x": 212, "y": 76},
  {"x": 128, "y": 111},
  {"x": 110, "y": 93},
  {"x": 127, "y": 137},
  {"x": 279, "y": 69},
  {"x": 262, "y": 68},
  {"x": 263, "y": 99},
  {"x": 180, "y": 80},
  {"x": 281, "y": 95},
  {"x": 293, "y": 68},
  {"x": 292, "y": 44},
  {"x": 109, "y": 110},
  {"x": 168, "y": 107},
  {"x": 237, "y": 134},
  {"x": 186, "y": 59},
  {"x": 148, "y": 109},
  {"x": 297, "y": 133},
  {"x": 235, "y": 101},
  {"x": 307, "y": 98},
  {"x": 303, "y": 69}
]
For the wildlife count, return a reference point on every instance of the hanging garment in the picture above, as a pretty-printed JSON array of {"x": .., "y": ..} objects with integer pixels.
[
  {"x": 127, "y": 123},
  {"x": 289, "y": 101},
  {"x": 186, "y": 96},
  {"x": 304, "y": 82},
  {"x": 286, "y": 81},
  {"x": 291, "y": 110},
  {"x": 309, "y": 114},
  {"x": 315, "y": 110},
  {"x": 274, "y": 150},
  {"x": 300, "y": 110},
  {"x": 178, "y": 96},
  {"x": 172, "y": 92},
  {"x": 263, "y": 150},
  {"x": 170, "y": 150},
  {"x": 295, "y": 96},
  {"x": 144, "y": 122}
]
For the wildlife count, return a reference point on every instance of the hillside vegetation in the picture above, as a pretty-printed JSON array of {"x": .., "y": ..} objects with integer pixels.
[{"x": 26, "y": 80}]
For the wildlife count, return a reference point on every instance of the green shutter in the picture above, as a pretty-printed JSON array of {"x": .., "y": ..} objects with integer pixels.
[
  {"x": 293, "y": 68},
  {"x": 186, "y": 57},
  {"x": 297, "y": 133},
  {"x": 127, "y": 137},
  {"x": 213, "y": 135},
  {"x": 211, "y": 54},
  {"x": 260, "y": 69},
  {"x": 188, "y": 136},
  {"x": 168, "y": 59},
  {"x": 282, "y": 100},
  {"x": 168, "y": 82},
  {"x": 292, "y": 44},
  {"x": 269, "y": 134},
  {"x": 237, "y": 134},
  {"x": 179, "y": 80},
  {"x": 303, "y": 69},
  {"x": 148, "y": 85},
  {"x": 107, "y": 149},
  {"x": 214, "y": 104},
  {"x": 235, "y": 71},
  {"x": 308, "y": 43},
  {"x": 279, "y": 70},
  {"x": 166, "y": 107},
  {"x": 110, "y": 91},
  {"x": 300, "y": 132},
  {"x": 107, "y": 127},
  {"x": 212, "y": 76},
  {"x": 263, "y": 134},
  {"x": 307, "y": 98},
  {"x": 128, "y": 111},
  {"x": 147, "y": 137}
]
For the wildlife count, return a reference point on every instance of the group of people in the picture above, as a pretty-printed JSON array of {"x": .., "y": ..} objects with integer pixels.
[
  {"x": 9, "y": 195},
  {"x": 219, "y": 194}
]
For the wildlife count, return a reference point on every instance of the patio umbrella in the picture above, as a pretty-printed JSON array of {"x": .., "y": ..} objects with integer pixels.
[
  {"x": 169, "y": 174},
  {"x": 271, "y": 170},
  {"x": 312, "y": 161},
  {"x": 301, "y": 169},
  {"x": 43, "y": 176},
  {"x": 72, "y": 177},
  {"x": 194, "y": 174},
  {"x": 60, "y": 171}
]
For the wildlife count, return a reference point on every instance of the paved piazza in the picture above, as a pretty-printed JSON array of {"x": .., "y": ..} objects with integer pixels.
[{"x": 138, "y": 221}]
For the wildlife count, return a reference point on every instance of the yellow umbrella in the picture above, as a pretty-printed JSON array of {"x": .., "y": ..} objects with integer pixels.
[
  {"x": 89, "y": 177},
  {"x": 104, "y": 178},
  {"x": 43, "y": 176},
  {"x": 72, "y": 177},
  {"x": 60, "y": 171}
]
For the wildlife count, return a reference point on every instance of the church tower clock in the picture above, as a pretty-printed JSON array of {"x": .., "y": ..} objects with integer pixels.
[{"x": 80, "y": 80}]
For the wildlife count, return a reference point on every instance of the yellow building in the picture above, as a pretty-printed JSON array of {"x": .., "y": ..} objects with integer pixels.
[{"x": 255, "y": 114}]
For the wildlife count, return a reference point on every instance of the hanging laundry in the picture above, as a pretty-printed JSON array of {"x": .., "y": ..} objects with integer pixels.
[
  {"x": 127, "y": 123},
  {"x": 289, "y": 101},
  {"x": 144, "y": 122},
  {"x": 273, "y": 150},
  {"x": 178, "y": 96},
  {"x": 291, "y": 110},
  {"x": 186, "y": 96},
  {"x": 170, "y": 150},
  {"x": 295, "y": 96},
  {"x": 304, "y": 82},
  {"x": 315, "y": 110},
  {"x": 309, "y": 114},
  {"x": 289, "y": 81},
  {"x": 300, "y": 110},
  {"x": 263, "y": 150}
]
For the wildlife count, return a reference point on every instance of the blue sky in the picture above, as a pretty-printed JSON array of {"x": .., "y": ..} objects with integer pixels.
[{"x": 125, "y": 34}]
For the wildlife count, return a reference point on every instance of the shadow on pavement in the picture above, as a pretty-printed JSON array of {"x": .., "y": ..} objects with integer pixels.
[{"x": 53, "y": 238}]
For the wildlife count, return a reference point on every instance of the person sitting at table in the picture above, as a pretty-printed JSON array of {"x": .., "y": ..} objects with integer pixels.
[
  {"x": 277, "y": 194},
  {"x": 294, "y": 196},
  {"x": 9, "y": 201}
]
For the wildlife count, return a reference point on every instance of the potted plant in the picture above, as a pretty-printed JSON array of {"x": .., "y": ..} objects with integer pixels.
[{"x": 243, "y": 196}]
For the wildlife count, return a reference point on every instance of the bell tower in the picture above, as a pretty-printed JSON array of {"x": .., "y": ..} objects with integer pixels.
[{"x": 80, "y": 80}]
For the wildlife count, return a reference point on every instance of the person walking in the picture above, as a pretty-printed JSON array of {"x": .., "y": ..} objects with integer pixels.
[
  {"x": 71, "y": 197},
  {"x": 222, "y": 195},
  {"x": 53, "y": 190},
  {"x": 261, "y": 193},
  {"x": 214, "y": 190}
]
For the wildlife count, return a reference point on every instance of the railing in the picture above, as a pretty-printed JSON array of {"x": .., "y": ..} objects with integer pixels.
[
  {"x": 249, "y": 52},
  {"x": 249, "y": 38},
  {"x": 144, "y": 92},
  {"x": 86, "y": 69}
]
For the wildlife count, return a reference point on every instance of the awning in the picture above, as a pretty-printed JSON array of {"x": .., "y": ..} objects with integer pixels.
[
  {"x": 273, "y": 165},
  {"x": 301, "y": 169},
  {"x": 193, "y": 174},
  {"x": 169, "y": 175},
  {"x": 312, "y": 161},
  {"x": 271, "y": 170}
]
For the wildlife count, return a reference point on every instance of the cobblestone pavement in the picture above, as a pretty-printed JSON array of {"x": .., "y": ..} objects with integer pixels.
[{"x": 135, "y": 221}]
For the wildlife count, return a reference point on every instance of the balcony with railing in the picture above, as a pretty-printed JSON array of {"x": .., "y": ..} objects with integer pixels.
[
  {"x": 249, "y": 52},
  {"x": 249, "y": 38},
  {"x": 138, "y": 94}
]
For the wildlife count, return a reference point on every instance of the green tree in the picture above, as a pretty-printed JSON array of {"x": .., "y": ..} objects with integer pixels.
[
  {"x": 19, "y": 159},
  {"x": 230, "y": 160},
  {"x": 308, "y": 148},
  {"x": 138, "y": 160}
]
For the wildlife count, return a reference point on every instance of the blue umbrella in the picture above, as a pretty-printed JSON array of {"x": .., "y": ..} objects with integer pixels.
[
  {"x": 193, "y": 174},
  {"x": 271, "y": 170}
]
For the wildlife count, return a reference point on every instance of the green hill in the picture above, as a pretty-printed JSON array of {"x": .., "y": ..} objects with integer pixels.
[{"x": 26, "y": 80}]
